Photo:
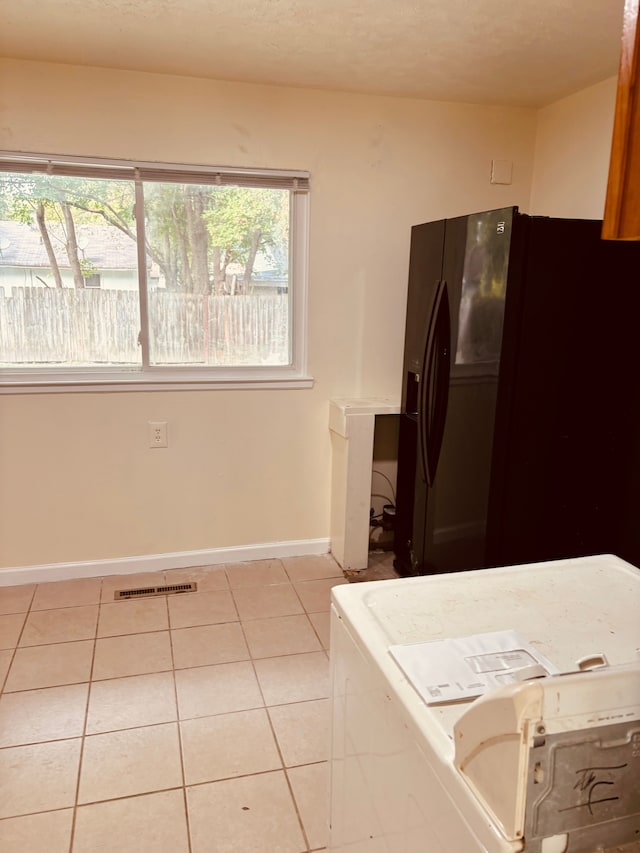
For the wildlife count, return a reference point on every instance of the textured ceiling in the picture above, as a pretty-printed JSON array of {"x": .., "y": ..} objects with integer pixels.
[{"x": 526, "y": 52}]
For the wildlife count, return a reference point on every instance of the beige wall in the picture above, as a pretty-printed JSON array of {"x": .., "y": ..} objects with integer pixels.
[
  {"x": 77, "y": 481},
  {"x": 573, "y": 143}
]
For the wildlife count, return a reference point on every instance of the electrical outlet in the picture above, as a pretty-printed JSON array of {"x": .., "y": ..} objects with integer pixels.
[{"x": 158, "y": 434}]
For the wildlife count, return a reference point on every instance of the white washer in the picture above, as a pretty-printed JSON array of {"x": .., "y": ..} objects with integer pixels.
[{"x": 528, "y": 765}]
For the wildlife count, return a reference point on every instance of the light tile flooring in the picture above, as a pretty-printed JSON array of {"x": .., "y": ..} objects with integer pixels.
[{"x": 192, "y": 723}]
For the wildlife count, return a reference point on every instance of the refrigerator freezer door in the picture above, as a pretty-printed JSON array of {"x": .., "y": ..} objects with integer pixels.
[
  {"x": 425, "y": 271},
  {"x": 434, "y": 388},
  {"x": 476, "y": 267},
  {"x": 425, "y": 278},
  {"x": 452, "y": 358}
]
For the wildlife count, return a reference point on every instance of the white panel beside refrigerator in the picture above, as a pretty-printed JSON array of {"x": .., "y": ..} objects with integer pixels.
[{"x": 548, "y": 764}]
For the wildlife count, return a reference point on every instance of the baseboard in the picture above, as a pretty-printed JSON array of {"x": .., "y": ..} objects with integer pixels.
[{"x": 14, "y": 575}]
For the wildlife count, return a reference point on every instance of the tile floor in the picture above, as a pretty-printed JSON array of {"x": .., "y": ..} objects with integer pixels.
[{"x": 192, "y": 723}]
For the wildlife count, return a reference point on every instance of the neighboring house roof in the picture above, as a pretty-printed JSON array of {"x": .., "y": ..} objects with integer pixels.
[{"x": 105, "y": 247}]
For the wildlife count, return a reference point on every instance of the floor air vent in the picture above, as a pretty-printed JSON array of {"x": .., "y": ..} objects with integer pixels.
[{"x": 143, "y": 592}]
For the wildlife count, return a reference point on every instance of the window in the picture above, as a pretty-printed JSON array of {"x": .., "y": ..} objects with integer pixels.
[{"x": 125, "y": 274}]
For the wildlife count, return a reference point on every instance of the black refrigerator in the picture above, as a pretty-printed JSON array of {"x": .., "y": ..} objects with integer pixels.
[{"x": 519, "y": 433}]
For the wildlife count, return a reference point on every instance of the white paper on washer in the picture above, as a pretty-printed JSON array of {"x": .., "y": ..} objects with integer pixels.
[{"x": 466, "y": 667}]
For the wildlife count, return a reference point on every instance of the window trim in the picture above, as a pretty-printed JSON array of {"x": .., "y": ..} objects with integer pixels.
[
  {"x": 144, "y": 170},
  {"x": 148, "y": 377}
]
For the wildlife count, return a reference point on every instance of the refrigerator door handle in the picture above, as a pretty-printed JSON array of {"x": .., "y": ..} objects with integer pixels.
[{"x": 434, "y": 395}]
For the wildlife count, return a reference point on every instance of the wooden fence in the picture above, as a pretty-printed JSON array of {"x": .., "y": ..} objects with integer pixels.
[{"x": 40, "y": 326}]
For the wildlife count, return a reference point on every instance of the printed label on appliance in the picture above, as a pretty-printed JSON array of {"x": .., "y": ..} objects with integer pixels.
[{"x": 464, "y": 668}]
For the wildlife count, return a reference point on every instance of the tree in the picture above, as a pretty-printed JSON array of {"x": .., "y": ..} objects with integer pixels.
[
  {"x": 199, "y": 230},
  {"x": 71, "y": 245},
  {"x": 57, "y": 204},
  {"x": 243, "y": 221},
  {"x": 51, "y": 255},
  {"x": 24, "y": 199},
  {"x": 192, "y": 232},
  {"x": 177, "y": 235}
]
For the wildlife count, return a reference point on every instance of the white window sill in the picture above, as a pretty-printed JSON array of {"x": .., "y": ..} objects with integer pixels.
[{"x": 176, "y": 379}]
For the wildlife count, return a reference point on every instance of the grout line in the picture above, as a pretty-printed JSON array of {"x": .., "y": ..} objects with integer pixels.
[
  {"x": 20, "y": 633},
  {"x": 137, "y": 794},
  {"x": 55, "y": 642},
  {"x": 179, "y": 727},
  {"x": 219, "y": 714},
  {"x": 172, "y": 788},
  {"x": 315, "y": 630},
  {"x": 214, "y": 663},
  {"x": 6, "y": 677},
  {"x": 253, "y": 667},
  {"x": 300, "y": 600},
  {"x": 289, "y": 785},
  {"x": 124, "y": 797},
  {"x": 42, "y": 811},
  {"x": 298, "y": 702},
  {"x": 66, "y": 606},
  {"x": 241, "y": 776},
  {"x": 17, "y": 643},
  {"x": 84, "y": 728},
  {"x": 248, "y": 658},
  {"x": 253, "y": 661},
  {"x": 280, "y": 755},
  {"x": 173, "y": 663},
  {"x": 328, "y": 816},
  {"x": 251, "y": 569},
  {"x": 295, "y": 805},
  {"x": 93, "y": 735},
  {"x": 40, "y": 743},
  {"x": 45, "y": 686}
]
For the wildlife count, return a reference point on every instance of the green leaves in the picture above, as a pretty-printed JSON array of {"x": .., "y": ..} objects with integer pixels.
[
  {"x": 193, "y": 232},
  {"x": 230, "y": 224}
]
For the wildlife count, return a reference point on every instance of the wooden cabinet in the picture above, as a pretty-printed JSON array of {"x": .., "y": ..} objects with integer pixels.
[{"x": 622, "y": 208}]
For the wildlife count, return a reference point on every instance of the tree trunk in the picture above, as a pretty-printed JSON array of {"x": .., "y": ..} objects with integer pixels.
[
  {"x": 251, "y": 259},
  {"x": 226, "y": 260},
  {"x": 195, "y": 203},
  {"x": 169, "y": 266},
  {"x": 71, "y": 245},
  {"x": 183, "y": 252},
  {"x": 51, "y": 255},
  {"x": 219, "y": 277}
]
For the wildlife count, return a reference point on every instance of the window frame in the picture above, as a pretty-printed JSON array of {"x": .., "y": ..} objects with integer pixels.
[{"x": 148, "y": 377}]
